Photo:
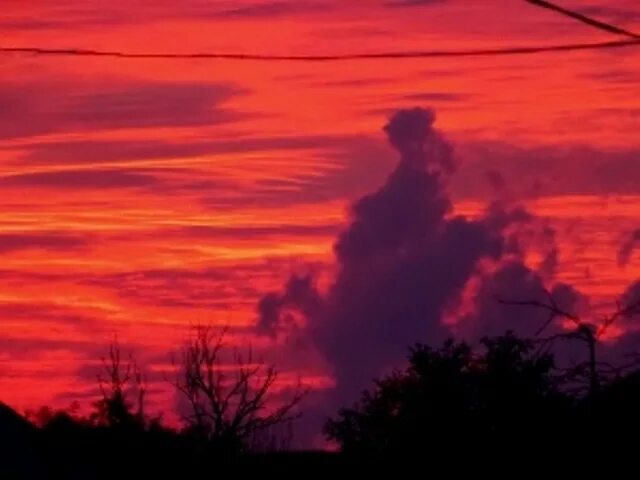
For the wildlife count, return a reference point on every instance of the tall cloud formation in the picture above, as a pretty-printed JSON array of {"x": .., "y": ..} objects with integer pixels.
[
  {"x": 404, "y": 263},
  {"x": 628, "y": 246}
]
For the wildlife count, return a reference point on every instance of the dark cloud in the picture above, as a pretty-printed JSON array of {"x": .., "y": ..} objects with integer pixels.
[
  {"x": 628, "y": 344},
  {"x": 436, "y": 97},
  {"x": 549, "y": 264},
  {"x": 301, "y": 292},
  {"x": 627, "y": 247},
  {"x": 412, "y": 3},
  {"x": 29, "y": 109},
  {"x": 81, "y": 179},
  {"x": 513, "y": 281},
  {"x": 132, "y": 151},
  {"x": 547, "y": 171},
  {"x": 151, "y": 105},
  {"x": 631, "y": 294},
  {"x": 105, "y": 151},
  {"x": 613, "y": 73},
  {"x": 496, "y": 181},
  {"x": 69, "y": 16},
  {"x": 18, "y": 348},
  {"x": 336, "y": 176},
  {"x": 612, "y": 13},
  {"x": 207, "y": 288},
  {"x": 270, "y": 9},
  {"x": 48, "y": 312},
  {"x": 401, "y": 263},
  {"x": 90, "y": 16},
  {"x": 42, "y": 241},
  {"x": 353, "y": 165},
  {"x": 406, "y": 265},
  {"x": 52, "y": 327},
  {"x": 349, "y": 167},
  {"x": 254, "y": 232},
  {"x": 8, "y": 275}
]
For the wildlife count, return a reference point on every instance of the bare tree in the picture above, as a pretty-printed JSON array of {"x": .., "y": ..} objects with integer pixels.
[
  {"x": 232, "y": 400},
  {"x": 117, "y": 381},
  {"x": 589, "y": 332}
]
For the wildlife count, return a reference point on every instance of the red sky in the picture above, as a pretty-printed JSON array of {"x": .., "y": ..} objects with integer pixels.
[{"x": 142, "y": 196}]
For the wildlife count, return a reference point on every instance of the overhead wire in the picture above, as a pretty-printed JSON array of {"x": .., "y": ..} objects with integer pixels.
[
  {"x": 600, "y": 25},
  {"x": 632, "y": 40}
]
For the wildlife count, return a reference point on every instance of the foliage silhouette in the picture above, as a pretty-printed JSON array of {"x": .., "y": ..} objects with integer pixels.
[
  {"x": 504, "y": 398},
  {"x": 115, "y": 409},
  {"x": 504, "y": 392}
]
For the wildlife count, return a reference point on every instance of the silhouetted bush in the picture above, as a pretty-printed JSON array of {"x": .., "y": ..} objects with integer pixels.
[
  {"x": 503, "y": 400},
  {"x": 455, "y": 398}
]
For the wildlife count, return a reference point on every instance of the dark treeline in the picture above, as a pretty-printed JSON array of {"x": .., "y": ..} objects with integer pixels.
[
  {"x": 231, "y": 418},
  {"x": 506, "y": 398}
]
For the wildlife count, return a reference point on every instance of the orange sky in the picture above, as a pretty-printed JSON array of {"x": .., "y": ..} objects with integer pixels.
[{"x": 142, "y": 196}]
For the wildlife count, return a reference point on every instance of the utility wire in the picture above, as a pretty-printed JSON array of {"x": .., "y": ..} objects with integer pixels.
[
  {"x": 391, "y": 55},
  {"x": 607, "y": 27}
]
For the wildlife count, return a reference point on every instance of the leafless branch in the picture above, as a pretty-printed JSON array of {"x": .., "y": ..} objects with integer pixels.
[
  {"x": 116, "y": 381},
  {"x": 629, "y": 310},
  {"x": 551, "y": 307},
  {"x": 590, "y": 333},
  {"x": 229, "y": 399}
]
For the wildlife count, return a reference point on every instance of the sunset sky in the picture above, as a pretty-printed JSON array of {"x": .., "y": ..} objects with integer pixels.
[{"x": 141, "y": 197}]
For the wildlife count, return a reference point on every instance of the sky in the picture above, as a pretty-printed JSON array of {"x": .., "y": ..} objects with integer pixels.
[{"x": 142, "y": 197}]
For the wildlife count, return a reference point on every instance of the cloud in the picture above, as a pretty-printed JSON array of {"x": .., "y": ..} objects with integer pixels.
[
  {"x": 176, "y": 288},
  {"x": 132, "y": 151},
  {"x": 255, "y": 232},
  {"x": 611, "y": 13},
  {"x": 68, "y": 17},
  {"x": 631, "y": 294},
  {"x": 627, "y": 247},
  {"x": 547, "y": 171},
  {"x": 407, "y": 270},
  {"x": 436, "y": 97},
  {"x": 32, "y": 347},
  {"x": 36, "y": 108},
  {"x": 87, "y": 16},
  {"x": 301, "y": 292},
  {"x": 402, "y": 262},
  {"x": 206, "y": 288},
  {"x": 614, "y": 74},
  {"x": 10, "y": 242},
  {"x": 269, "y": 9},
  {"x": 626, "y": 345},
  {"x": 82, "y": 179},
  {"x": 514, "y": 282},
  {"x": 412, "y": 3},
  {"x": 47, "y": 312},
  {"x": 346, "y": 167}
]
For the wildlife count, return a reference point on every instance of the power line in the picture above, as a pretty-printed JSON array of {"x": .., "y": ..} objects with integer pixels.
[
  {"x": 391, "y": 55},
  {"x": 607, "y": 27}
]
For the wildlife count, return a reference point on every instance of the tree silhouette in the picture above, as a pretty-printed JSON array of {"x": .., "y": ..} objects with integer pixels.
[
  {"x": 230, "y": 397},
  {"x": 503, "y": 392},
  {"x": 587, "y": 331},
  {"x": 118, "y": 381}
]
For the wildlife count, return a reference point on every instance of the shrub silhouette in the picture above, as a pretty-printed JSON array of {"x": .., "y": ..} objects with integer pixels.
[
  {"x": 120, "y": 381},
  {"x": 503, "y": 399},
  {"x": 454, "y": 396}
]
